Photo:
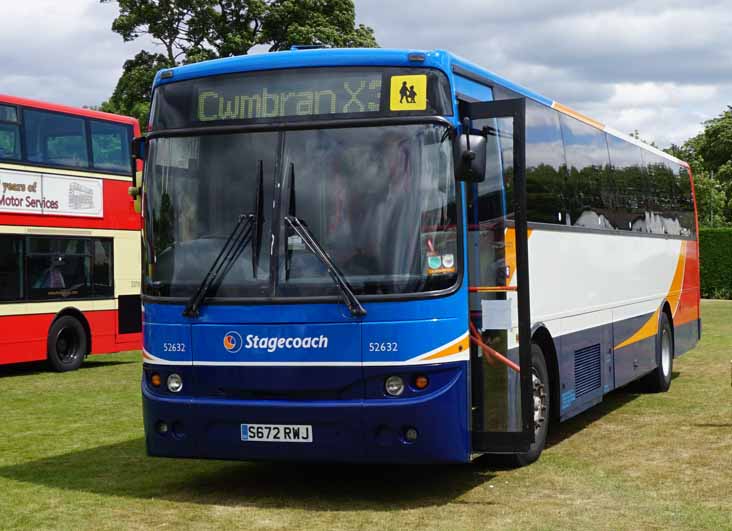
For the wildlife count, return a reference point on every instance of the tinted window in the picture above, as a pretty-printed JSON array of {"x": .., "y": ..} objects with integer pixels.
[
  {"x": 58, "y": 245},
  {"x": 102, "y": 260},
  {"x": 9, "y": 141},
  {"x": 55, "y": 139},
  {"x": 487, "y": 205},
  {"x": 545, "y": 164},
  {"x": 668, "y": 204},
  {"x": 58, "y": 268},
  {"x": 11, "y": 268},
  {"x": 588, "y": 162},
  {"x": 626, "y": 195},
  {"x": 61, "y": 268},
  {"x": 8, "y": 113},
  {"x": 110, "y": 146},
  {"x": 686, "y": 200},
  {"x": 386, "y": 212}
]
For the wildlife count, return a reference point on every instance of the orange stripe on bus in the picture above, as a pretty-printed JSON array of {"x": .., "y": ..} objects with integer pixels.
[
  {"x": 461, "y": 346},
  {"x": 510, "y": 252},
  {"x": 574, "y": 114},
  {"x": 674, "y": 293},
  {"x": 650, "y": 328}
]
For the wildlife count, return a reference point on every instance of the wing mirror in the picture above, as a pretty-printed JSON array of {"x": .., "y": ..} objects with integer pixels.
[
  {"x": 470, "y": 153},
  {"x": 139, "y": 145}
]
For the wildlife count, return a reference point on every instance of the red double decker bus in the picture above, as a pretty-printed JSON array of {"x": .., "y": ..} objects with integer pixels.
[{"x": 69, "y": 234}]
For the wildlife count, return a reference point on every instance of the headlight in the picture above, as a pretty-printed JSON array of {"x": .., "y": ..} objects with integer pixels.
[
  {"x": 394, "y": 385},
  {"x": 175, "y": 383}
]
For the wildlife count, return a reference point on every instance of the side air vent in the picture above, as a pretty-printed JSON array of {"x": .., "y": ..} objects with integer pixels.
[{"x": 587, "y": 370}]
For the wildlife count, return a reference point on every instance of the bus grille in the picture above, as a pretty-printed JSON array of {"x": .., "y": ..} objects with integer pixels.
[{"x": 587, "y": 370}]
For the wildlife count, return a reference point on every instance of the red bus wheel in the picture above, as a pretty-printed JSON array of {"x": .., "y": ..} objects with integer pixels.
[{"x": 67, "y": 344}]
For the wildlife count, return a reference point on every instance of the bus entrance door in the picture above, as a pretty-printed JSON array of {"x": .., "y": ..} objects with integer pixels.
[{"x": 502, "y": 397}]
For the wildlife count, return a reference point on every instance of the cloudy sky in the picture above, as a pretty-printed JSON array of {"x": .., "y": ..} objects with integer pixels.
[{"x": 659, "y": 66}]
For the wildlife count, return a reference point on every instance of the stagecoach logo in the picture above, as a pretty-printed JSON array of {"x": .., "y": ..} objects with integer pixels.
[{"x": 233, "y": 342}]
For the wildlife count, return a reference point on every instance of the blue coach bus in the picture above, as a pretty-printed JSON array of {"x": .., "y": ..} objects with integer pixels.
[{"x": 396, "y": 256}]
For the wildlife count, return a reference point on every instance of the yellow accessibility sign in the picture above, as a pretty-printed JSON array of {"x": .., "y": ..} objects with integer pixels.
[{"x": 408, "y": 93}]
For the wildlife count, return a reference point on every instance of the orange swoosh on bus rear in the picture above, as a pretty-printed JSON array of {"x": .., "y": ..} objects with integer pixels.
[{"x": 650, "y": 327}]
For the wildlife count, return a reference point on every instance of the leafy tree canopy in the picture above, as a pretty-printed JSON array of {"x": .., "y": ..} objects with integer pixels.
[
  {"x": 132, "y": 94},
  {"x": 710, "y": 156},
  {"x": 189, "y": 31}
]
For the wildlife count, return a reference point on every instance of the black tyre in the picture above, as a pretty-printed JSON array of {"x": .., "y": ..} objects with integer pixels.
[
  {"x": 67, "y": 344},
  {"x": 542, "y": 394},
  {"x": 660, "y": 379}
]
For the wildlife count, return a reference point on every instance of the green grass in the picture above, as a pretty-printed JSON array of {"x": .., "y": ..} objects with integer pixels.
[{"x": 72, "y": 457}]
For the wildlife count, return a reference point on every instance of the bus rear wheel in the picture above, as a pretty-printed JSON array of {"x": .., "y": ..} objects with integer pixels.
[
  {"x": 67, "y": 344},
  {"x": 659, "y": 380},
  {"x": 541, "y": 402}
]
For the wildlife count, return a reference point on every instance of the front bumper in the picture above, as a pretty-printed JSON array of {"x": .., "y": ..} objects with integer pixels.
[{"x": 355, "y": 430}]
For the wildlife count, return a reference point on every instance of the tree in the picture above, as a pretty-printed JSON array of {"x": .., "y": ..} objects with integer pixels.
[
  {"x": 710, "y": 156},
  {"x": 715, "y": 145},
  {"x": 327, "y": 22},
  {"x": 132, "y": 94},
  {"x": 189, "y": 31},
  {"x": 167, "y": 22},
  {"x": 711, "y": 201}
]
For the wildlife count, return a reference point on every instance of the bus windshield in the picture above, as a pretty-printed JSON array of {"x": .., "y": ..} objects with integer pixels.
[{"x": 380, "y": 201}]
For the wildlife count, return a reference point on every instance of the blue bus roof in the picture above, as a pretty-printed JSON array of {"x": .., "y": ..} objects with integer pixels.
[
  {"x": 334, "y": 57},
  {"x": 440, "y": 59}
]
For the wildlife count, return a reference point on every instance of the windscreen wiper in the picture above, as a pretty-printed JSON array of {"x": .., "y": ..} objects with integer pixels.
[
  {"x": 235, "y": 244},
  {"x": 233, "y": 247},
  {"x": 291, "y": 211},
  {"x": 352, "y": 302},
  {"x": 258, "y": 218}
]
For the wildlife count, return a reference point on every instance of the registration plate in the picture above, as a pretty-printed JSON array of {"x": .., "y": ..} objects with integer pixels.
[{"x": 276, "y": 433}]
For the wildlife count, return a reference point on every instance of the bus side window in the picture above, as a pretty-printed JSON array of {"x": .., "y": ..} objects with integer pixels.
[
  {"x": 56, "y": 139},
  {"x": 110, "y": 146},
  {"x": 102, "y": 267},
  {"x": 9, "y": 133},
  {"x": 546, "y": 166},
  {"x": 588, "y": 163},
  {"x": 11, "y": 268},
  {"x": 58, "y": 268}
]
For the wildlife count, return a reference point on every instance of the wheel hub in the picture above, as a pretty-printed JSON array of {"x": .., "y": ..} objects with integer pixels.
[
  {"x": 539, "y": 393},
  {"x": 66, "y": 345},
  {"x": 665, "y": 352}
]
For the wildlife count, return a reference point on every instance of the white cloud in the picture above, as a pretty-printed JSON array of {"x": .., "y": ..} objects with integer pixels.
[
  {"x": 64, "y": 52},
  {"x": 659, "y": 66}
]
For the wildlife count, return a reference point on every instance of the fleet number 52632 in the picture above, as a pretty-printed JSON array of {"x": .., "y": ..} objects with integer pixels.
[
  {"x": 388, "y": 346},
  {"x": 174, "y": 347}
]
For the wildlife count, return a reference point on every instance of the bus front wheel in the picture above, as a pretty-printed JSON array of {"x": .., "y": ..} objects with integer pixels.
[
  {"x": 67, "y": 344},
  {"x": 541, "y": 396}
]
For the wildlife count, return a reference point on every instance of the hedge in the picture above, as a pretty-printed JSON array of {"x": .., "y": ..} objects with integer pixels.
[{"x": 715, "y": 248}]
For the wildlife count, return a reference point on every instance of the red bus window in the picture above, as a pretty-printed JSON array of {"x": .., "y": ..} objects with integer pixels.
[
  {"x": 55, "y": 139},
  {"x": 11, "y": 268}
]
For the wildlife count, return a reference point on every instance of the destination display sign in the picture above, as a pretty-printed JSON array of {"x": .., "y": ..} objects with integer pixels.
[
  {"x": 50, "y": 195},
  {"x": 274, "y": 95},
  {"x": 303, "y": 93}
]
